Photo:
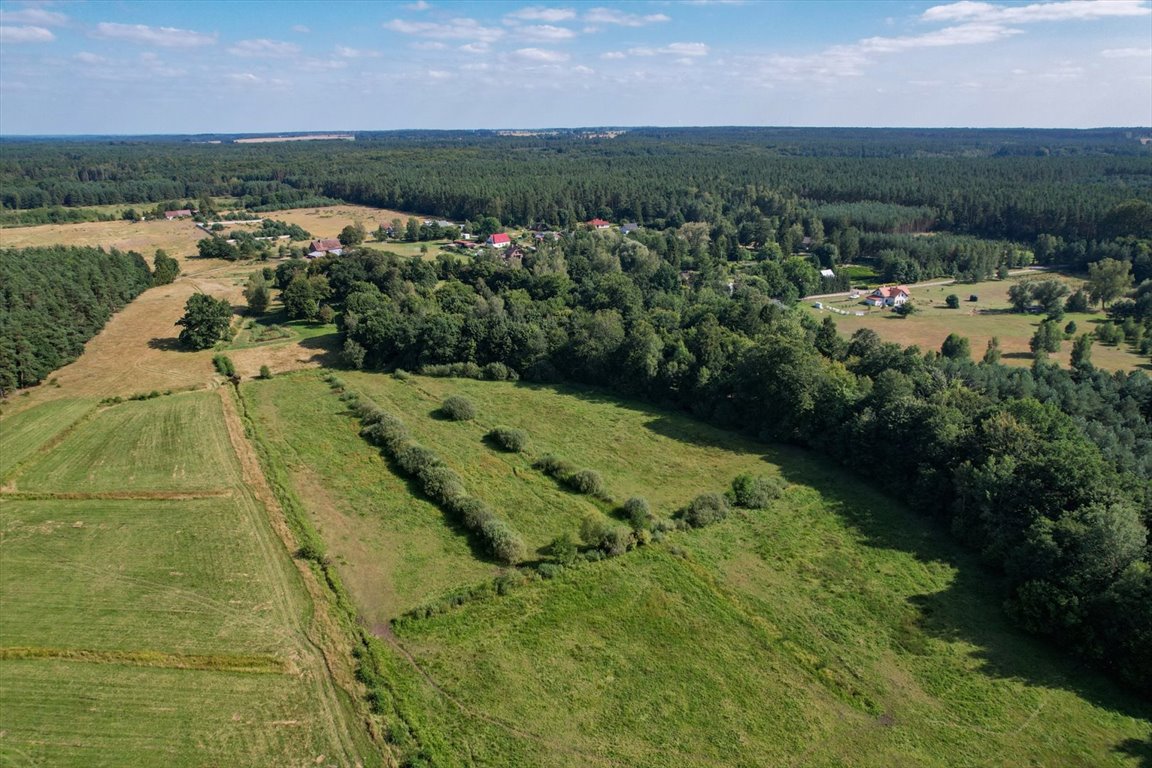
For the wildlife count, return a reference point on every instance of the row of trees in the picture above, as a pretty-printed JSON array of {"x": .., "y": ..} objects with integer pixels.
[
  {"x": 1043, "y": 472},
  {"x": 54, "y": 298}
]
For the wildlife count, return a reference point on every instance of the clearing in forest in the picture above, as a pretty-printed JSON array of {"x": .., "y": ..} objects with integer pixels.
[{"x": 832, "y": 627}]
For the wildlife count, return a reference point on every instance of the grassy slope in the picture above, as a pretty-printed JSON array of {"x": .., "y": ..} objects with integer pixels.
[
  {"x": 23, "y": 434},
  {"x": 834, "y": 629},
  {"x": 136, "y": 585},
  {"x": 176, "y": 443}
]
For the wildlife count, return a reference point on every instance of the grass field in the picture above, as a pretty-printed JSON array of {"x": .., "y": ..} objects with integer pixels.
[
  {"x": 834, "y": 628},
  {"x": 168, "y": 444},
  {"x": 979, "y": 321},
  {"x": 24, "y": 433},
  {"x": 150, "y": 613}
]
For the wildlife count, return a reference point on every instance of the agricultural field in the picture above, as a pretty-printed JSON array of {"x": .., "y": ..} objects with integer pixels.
[
  {"x": 28, "y": 431},
  {"x": 832, "y": 628},
  {"x": 989, "y": 316},
  {"x": 149, "y": 607}
]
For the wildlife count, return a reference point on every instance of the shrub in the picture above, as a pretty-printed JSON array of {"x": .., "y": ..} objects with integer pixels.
[
  {"x": 502, "y": 540},
  {"x": 586, "y": 481},
  {"x": 593, "y": 528},
  {"x": 414, "y": 458},
  {"x": 952, "y": 301},
  {"x": 458, "y": 408},
  {"x": 563, "y": 549},
  {"x": 553, "y": 466},
  {"x": 549, "y": 570},
  {"x": 638, "y": 512},
  {"x": 441, "y": 484},
  {"x": 498, "y": 372},
  {"x": 472, "y": 511},
  {"x": 401, "y": 375},
  {"x": 705, "y": 509},
  {"x": 508, "y": 439},
  {"x": 265, "y": 372},
  {"x": 755, "y": 492},
  {"x": 224, "y": 365},
  {"x": 617, "y": 541}
]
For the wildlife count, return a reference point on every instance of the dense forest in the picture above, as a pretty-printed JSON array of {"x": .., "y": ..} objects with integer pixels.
[
  {"x": 1085, "y": 192},
  {"x": 1043, "y": 471},
  {"x": 54, "y": 299}
]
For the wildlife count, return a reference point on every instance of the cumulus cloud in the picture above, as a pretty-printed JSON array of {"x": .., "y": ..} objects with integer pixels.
[
  {"x": 541, "y": 55},
  {"x": 263, "y": 48},
  {"x": 963, "y": 34},
  {"x": 164, "y": 37},
  {"x": 301, "y": 28},
  {"x": 1065, "y": 10},
  {"x": 545, "y": 32},
  {"x": 86, "y": 57},
  {"x": 33, "y": 16},
  {"x": 475, "y": 48},
  {"x": 25, "y": 35},
  {"x": 620, "y": 18},
  {"x": 427, "y": 45},
  {"x": 614, "y": 55},
  {"x": 419, "y": 5},
  {"x": 537, "y": 13},
  {"x": 453, "y": 29},
  {"x": 356, "y": 53}
]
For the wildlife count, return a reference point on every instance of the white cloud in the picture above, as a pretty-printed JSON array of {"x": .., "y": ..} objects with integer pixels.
[
  {"x": 264, "y": 49},
  {"x": 541, "y": 55},
  {"x": 614, "y": 55},
  {"x": 301, "y": 28},
  {"x": 1065, "y": 10},
  {"x": 963, "y": 34},
  {"x": 25, "y": 35},
  {"x": 427, "y": 46},
  {"x": 545, "y": 32},
  {"x": 537, "y": 13},
  {"x": 611, "y": 16},
  {"x": 672, "y": 49},
  {"x": 475, "y": 48},
  {"x": 87, "y": 57},
  {"x": 453, "y": 29},
  {"x": 356, "y": 53},
  {"x": 419, "y": 5},
  {"x": 34, "y": 16},
  {"x": 438, "y": 74},
  {"x": 165, "y": 37},
  {"x": 1127, "y": 53}
]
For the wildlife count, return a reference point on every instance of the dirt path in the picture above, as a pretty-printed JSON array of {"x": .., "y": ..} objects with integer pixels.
[{"x": 328, "y": 642}]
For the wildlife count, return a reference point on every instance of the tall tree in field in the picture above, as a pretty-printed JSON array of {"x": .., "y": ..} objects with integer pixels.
[
  {"x": 205, "y": 321},
  {"x": 992, "y": 351},
  {"x": 353, "y": 234},
  {"x": 956, "y": 347},
  {"x": 166, "y": 268},
  {"x": 1082, "y": 353},
  {"x": 258, "y": 292},
  {"x": 1108, "y": 279}
]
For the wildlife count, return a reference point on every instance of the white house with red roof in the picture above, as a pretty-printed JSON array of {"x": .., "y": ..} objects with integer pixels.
[
  {"x": 499, "y": 240},
  {"x": 888, "y": 296},
  {"x": 183, "y": 213},
  {"x": 599, "y": 224}
]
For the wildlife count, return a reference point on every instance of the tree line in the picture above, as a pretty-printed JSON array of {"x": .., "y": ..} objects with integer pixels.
[{"x": 54, "y": 298}]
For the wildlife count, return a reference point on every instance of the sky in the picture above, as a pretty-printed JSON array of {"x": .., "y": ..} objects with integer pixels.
[{"x": 200, "y": 66}]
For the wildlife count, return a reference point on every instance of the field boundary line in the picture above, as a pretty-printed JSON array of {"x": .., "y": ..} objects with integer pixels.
[
  {"x": 15, "y": 495},
  {"x": 256, "y": 664}
]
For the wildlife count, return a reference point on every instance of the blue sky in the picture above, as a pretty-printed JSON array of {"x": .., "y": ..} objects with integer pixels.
[{"x": 198, "y": 66}]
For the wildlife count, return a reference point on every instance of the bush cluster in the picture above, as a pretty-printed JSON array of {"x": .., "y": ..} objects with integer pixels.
[
  {"x": 458, "y": 408},
  {"x": 755, "y": 492},
  {"x": 224, "y": 365},
  {"x": 585, "y": 481},
  {"x": 490, "y": 372},
  {"x": 705, "y": 509},
  {"x": 438, "y": 481},
  {"x": 508, "y": 439}
]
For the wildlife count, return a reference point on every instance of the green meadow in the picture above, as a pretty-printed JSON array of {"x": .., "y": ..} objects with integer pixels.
[
  {"x": 24, "y": 433},
  {"x": 832, "y": 628}
]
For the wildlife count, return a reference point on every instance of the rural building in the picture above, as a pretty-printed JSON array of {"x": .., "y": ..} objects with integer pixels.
[
  {"x": 599, "y": 224},
  {"x": 499, "y": 240},
  {"x": 827, "y": 273},
  {"x": 183, "y": 213},
  {"x": 543, "y": 236},
  {"x": 629, "y": 227},
  {"x": 888, "y": 296},
  {"x": 323, "y": 247}
]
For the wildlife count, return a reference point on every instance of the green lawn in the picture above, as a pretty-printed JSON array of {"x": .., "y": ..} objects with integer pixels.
[
  {"x": 24, "y": 433},
  {"x": 176, "y": 443}
]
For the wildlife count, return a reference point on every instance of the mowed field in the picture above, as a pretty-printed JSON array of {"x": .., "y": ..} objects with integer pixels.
[
  {"x": 833, "y": 628},
  {"x": 148, "y": 611},
  {"x": 980, "y": 320}
]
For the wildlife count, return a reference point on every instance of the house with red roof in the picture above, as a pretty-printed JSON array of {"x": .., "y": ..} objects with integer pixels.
[
  {"x": 322, "y": 247},
  {"x": 499, "y": 240},
  {"x": 183, "y": 213},
  {"x": 599, "y": 224},
  {"x": 888, "y": 296}
]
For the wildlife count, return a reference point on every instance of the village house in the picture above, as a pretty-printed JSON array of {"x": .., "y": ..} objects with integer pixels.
[
  {"x": 499, "y": 240},
  {"x": 325, "y": 246},
  {"x": 599, "y": 224},
  {"x": 629, "y": 227},
  {"x": 183, "y": 213},
  {"x": 888, "y": 296}
]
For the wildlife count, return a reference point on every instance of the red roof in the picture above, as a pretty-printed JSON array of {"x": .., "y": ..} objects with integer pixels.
[
  {"x": 499, "y": 237},
  {"x": 888, "y": 291},
  {"x": 599, "y": 223},
  {"x": 328, "y": 244},
  {"x": 177, "y": 214}
]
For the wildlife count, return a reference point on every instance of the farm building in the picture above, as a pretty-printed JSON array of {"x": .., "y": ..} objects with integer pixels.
[
  {"x": 183, "y": 213},
  {"x": 599, "y": 224},
  {"x": 888, "y": 296},
  {"x": 629, "y": 227},
  {"x": 324, "y": 246},
  {"x": 499, "y": 240}
]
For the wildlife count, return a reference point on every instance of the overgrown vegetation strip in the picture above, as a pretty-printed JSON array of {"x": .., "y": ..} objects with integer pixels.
[{"x": 218, "y": 662}]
